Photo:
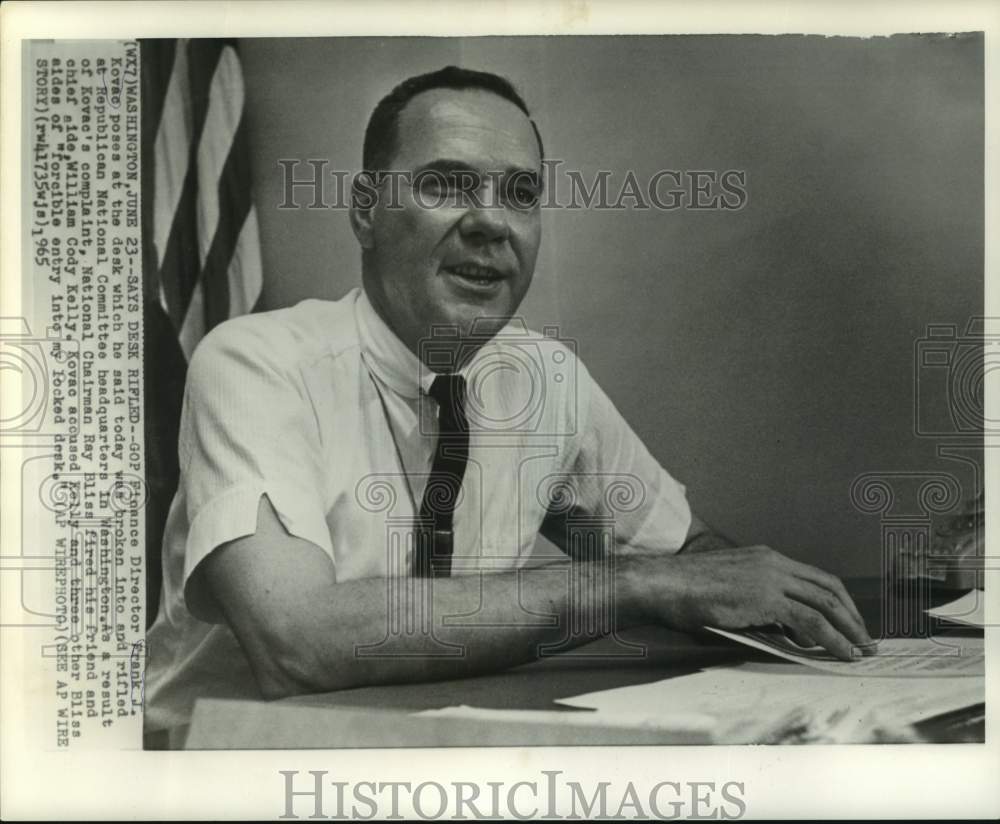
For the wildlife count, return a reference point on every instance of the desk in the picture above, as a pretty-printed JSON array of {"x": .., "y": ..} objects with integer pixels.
[{"x": 381, "y": 716}]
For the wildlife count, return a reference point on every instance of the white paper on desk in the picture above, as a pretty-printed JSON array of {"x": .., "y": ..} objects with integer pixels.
[
  {"x": 627, "y": 719},
  {"x": 969, "y": 609},
  {"x": 937, "y": 657},
  {"x": 768, "y": 702}
]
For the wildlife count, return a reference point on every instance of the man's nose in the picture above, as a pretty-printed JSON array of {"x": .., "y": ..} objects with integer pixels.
[{"x": 485, "y": 222}]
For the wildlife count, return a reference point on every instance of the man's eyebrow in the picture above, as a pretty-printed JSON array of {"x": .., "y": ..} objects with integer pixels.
[{"x": 448, "y": 166}]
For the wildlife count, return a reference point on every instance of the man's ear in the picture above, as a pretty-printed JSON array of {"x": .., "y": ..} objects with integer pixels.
[{"x": 364, "y": 196}]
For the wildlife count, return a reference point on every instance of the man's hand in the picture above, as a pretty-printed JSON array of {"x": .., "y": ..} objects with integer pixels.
[{"x": 746, "y": 587}]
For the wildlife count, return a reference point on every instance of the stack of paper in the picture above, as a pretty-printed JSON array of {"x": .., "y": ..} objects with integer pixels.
[
  {"x": 810, "y": 697},
  {"x": 817, "y": 698},
  {"x": 780, "y": 703},
  {"x": 914, "y": 657}
]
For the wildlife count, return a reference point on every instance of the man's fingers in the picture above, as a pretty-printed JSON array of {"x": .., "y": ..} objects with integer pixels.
[
  {"x": 832, "y": 584},
  {"x": 820, "y": 578},
  {"x": 808, "y": 621},
  {"x": 831, "y": 609}
]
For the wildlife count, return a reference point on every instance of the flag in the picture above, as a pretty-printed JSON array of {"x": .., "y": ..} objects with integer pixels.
[
  {"x": 201, "y": 248},
  {"x": 203, "y": 223}
]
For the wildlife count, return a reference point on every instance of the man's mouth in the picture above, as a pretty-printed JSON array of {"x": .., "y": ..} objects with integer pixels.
[{"x": 475, "y": 273}]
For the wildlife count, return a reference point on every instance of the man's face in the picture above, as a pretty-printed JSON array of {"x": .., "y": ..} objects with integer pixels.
[{"x": 473, "y": 257}]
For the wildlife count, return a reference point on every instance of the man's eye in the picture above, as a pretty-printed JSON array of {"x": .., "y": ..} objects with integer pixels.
[
  {"x": 464, "y": 182},
  {"x": 523, "y": 196},
  {"x": 431, "y": 184}
]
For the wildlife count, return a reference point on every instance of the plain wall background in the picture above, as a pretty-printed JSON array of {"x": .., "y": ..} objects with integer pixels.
[{"x": 765, "y": 356}]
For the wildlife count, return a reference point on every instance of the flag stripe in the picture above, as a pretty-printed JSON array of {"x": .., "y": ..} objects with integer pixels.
[
  {"x": 171, "y": 151},
  {"x": 245, "y": 275},
  {"x": 180, "y": 267},
  {"x": 157, "y": 60},
  {"x": 225, "y": 104},
  {"x": 193, "y": 328},
  {"x": 234, "y": 195}
]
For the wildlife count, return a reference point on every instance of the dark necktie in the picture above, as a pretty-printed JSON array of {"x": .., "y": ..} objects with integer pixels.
[{"x": 434, "y": 549}]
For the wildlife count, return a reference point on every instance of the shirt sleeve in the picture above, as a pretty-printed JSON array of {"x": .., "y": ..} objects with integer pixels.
[
  {"x": 247, "y": 429},
  {"x": 614, "y": 478}
]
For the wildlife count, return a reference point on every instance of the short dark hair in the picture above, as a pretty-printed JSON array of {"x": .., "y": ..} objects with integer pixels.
[{"x": 382, "y": 133}]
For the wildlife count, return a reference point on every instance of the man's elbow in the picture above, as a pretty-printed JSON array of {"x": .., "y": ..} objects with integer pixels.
[
  {"x": 285, "y": 668},
  {"x": 279, "y": 679}
]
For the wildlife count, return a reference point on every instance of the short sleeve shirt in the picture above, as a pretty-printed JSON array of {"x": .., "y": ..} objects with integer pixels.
[{"x": 321, "y": 408}]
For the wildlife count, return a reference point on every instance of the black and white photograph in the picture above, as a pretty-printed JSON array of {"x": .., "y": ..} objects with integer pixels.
[
  {"x": 523, "y": 397},
  {"x": 425, "y": 399}
]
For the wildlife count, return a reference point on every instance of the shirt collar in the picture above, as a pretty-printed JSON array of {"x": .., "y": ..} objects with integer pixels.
[{"x": 386, "y": 355}]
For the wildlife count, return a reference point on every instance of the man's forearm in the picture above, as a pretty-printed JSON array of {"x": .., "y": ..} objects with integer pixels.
[
  {"x": 418, "y": 629},
  {"x": 303, "y": 631}
]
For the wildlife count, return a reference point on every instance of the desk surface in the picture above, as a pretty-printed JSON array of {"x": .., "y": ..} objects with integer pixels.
[{"x": 381, "y": 716}]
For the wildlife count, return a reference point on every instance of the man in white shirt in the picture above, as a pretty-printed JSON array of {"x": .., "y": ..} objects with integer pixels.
[{"x": 315, "y": 439}]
